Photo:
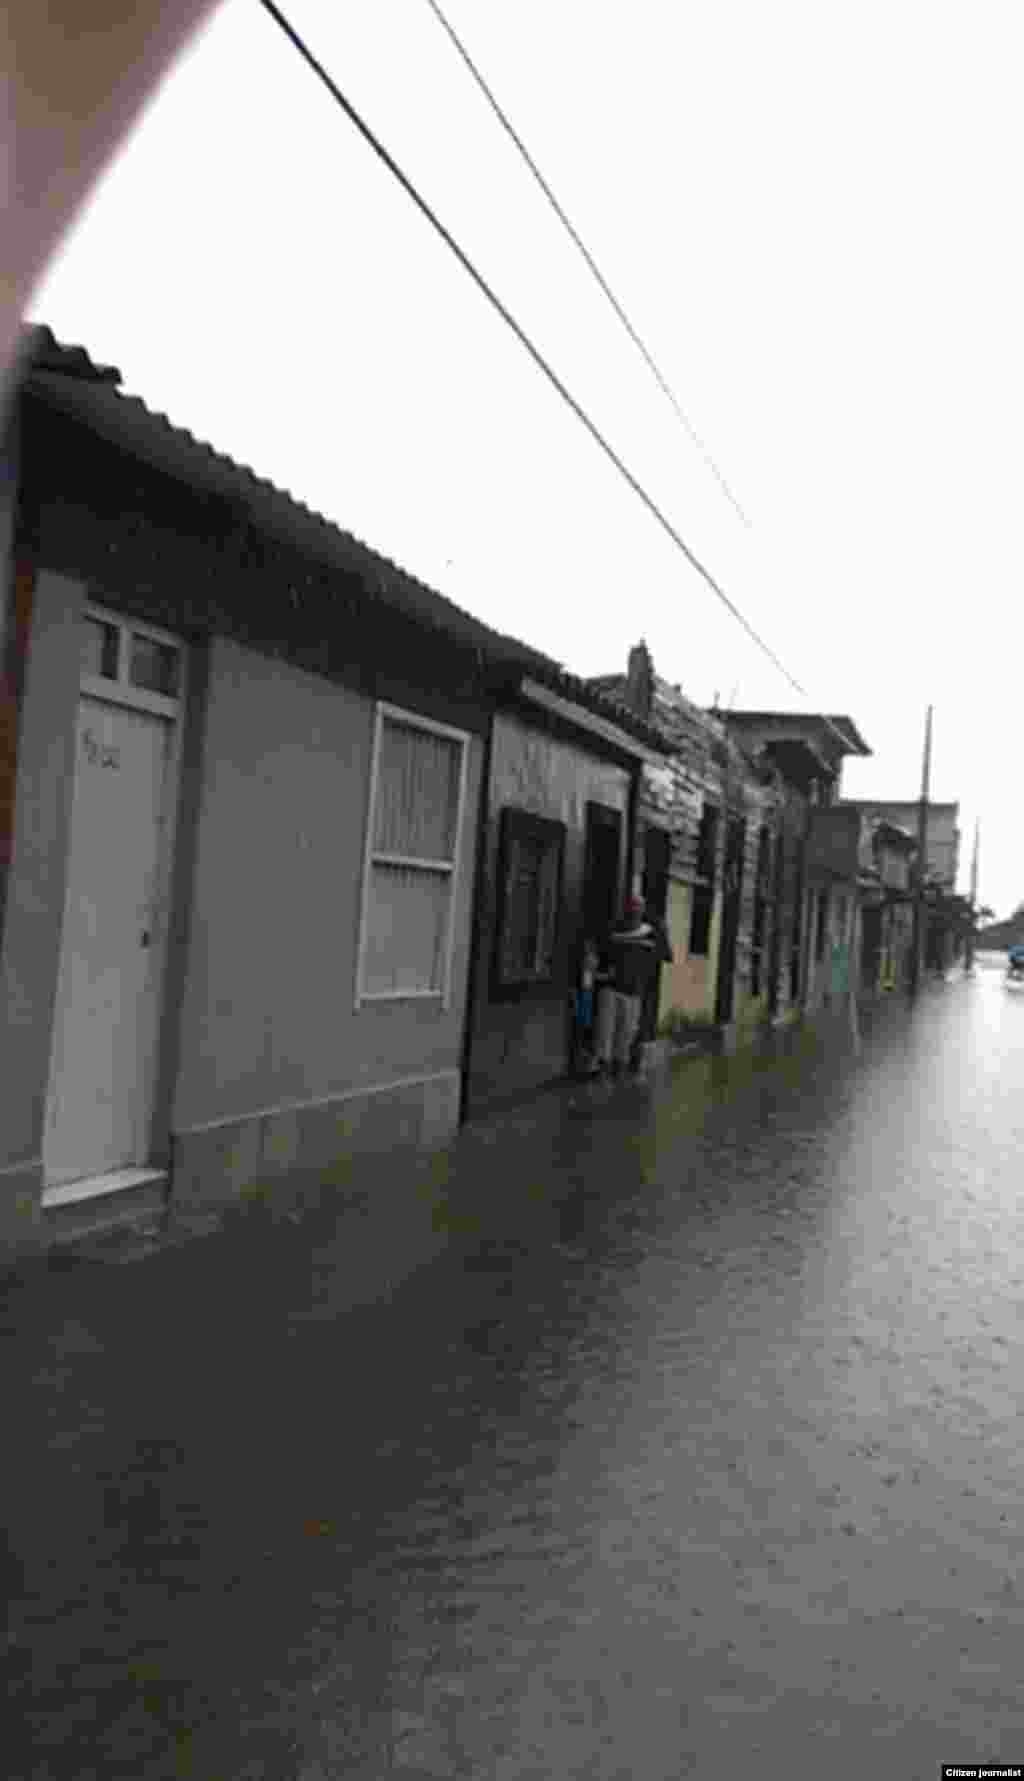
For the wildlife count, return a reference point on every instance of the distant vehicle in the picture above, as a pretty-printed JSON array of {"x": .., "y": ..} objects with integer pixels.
[{"x": 1015, "y": 968}]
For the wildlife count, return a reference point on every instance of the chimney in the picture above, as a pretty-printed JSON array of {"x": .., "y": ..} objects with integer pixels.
[{"x": 640, "y": 680}]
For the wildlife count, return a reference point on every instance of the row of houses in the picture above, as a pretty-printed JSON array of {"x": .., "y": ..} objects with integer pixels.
[
  {"x": 781, "y": 896},
  {"x": 296, "y": 857}
]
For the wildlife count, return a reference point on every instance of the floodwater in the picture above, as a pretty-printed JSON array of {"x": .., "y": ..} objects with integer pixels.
[{"x": 702, "y": 1443}]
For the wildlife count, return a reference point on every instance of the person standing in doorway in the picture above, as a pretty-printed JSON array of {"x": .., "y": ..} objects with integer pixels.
[{"x": 632, "y": 956}]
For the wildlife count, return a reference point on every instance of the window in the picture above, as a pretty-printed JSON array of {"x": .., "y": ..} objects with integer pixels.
[
  {"x": 417, "y": 798},
  {"x": 704, "y": 889},
  {"x": 129, "y": 664},
  {"x": 100, "y": 643},
  {"x": 529, "y": 899},
  {"x": 154, "y": 666}
]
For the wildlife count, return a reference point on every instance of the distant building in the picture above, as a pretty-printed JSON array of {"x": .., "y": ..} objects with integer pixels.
[
  {"x": 942, "y": 835},
  {"x": 760, "y": 925}
]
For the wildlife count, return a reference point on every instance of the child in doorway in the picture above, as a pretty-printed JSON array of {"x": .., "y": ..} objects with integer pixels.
[{"x": 585, "y": 996}]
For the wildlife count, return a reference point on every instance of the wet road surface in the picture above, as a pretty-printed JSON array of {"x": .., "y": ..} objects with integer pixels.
[{"x": 703, "y": 1442}]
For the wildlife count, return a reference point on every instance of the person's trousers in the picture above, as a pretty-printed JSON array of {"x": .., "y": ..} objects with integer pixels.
[{"x": 618, "y": 1018}]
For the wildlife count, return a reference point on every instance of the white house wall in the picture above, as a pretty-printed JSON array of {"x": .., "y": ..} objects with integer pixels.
[
  {"x": 35, "y": 894},
  {"x": 277, "y": 1067}
]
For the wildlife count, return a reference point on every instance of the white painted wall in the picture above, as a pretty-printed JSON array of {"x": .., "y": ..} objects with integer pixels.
[{"x": 267, "y": 1016}]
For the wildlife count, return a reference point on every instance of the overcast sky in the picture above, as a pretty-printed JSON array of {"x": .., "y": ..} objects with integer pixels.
[{"x": 811, "y": 214}]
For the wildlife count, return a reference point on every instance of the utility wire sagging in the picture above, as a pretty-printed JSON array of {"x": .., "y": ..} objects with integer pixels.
[
  {"x": 538, "y": 358},
  {"x": 594, "y": 269}
]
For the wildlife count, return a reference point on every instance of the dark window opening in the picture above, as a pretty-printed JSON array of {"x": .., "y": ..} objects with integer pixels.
[
  {"x": 530, "y": 891},
  {"x": 704, "y": 889},
  {"x": 100, "y": 646},
  {"x": 154, "y": 666},
  {"x": 762, "y": 893}
]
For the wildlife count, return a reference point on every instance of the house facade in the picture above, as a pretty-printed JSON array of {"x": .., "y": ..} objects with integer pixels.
[
  {"x": 944, "y": 913},
  {"x": 887, "y": 853},
  {"x": 760, "y": 922},
  {"x": 824, "y": 894},
  {"x": 689, "y": 851},
  {"x": 559, "y": 833},
  {"x": 243, "y": 764}
]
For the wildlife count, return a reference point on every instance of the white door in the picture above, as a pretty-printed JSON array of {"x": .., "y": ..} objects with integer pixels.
[{"x": 102, "y": 1069}]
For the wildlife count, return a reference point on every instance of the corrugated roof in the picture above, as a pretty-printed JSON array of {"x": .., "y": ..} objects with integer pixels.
[{"x": 67, "y": 379}]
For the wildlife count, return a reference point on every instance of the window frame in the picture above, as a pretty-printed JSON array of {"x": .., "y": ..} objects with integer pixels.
[
  {"x": 123, "y": 690},
  {"x": 515, "y": 819},
  {"x": 385, "y": 712}
]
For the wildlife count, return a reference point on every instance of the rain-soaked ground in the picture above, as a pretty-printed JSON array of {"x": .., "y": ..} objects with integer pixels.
[{"x": 703, "y": 1443}]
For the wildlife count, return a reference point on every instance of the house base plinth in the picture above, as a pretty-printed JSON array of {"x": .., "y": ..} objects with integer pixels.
[{"x": 255, "y": 1157}]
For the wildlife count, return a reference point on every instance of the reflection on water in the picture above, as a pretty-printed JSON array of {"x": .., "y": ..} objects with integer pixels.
[{"x": 705, "y": 1444}]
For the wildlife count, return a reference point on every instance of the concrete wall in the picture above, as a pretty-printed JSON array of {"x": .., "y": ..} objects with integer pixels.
[
  {"x": 521, "y": 1042},
  {"x": 277, "y": 1067},
  {"x": 35, "y": 890}
]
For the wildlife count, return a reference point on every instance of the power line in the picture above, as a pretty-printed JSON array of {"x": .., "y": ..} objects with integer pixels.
[
  {"x": 573, "y": 233},
  {"x": 509, "y": 319}
]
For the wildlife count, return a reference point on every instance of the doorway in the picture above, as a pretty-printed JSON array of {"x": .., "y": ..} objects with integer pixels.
[
  {"x": 657, "y": 851},
  {"x": 602, "y": 870},
  {"x": 732, "y": 894},
  {"x": 113, "y": 942},
  {"x": 871, "y": 947}
]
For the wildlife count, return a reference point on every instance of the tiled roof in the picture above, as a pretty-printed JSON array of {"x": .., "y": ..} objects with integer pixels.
[{"x": 67, "y": 379}]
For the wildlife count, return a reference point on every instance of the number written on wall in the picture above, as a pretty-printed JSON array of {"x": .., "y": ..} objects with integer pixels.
[{"x": 100, "y": 754}]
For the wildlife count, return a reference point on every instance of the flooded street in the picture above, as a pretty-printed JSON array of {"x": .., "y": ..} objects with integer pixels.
[{"x": 703, "y": 1442}]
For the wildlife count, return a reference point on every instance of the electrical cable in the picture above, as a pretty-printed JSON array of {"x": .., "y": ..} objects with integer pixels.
[
  {"x": 346, "y": 105},
  {"x": 595, "y": 270},
  {"x": 509, "y": 319}
]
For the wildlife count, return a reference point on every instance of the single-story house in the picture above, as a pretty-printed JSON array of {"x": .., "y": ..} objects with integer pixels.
[
  {"x": 242, "y": 766},
  {"x": 558, "y": 855}
]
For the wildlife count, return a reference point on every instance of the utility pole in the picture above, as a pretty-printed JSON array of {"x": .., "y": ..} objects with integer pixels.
[
  {"x": 973, "y": 914},
  {"x": 917, "y": 955}
]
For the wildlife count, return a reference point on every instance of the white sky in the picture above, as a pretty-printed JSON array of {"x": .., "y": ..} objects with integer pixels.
[{"x": 811, "y": 215}]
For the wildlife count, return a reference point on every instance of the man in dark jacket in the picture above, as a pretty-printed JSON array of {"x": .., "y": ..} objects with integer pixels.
[{"x": 633, "y": 954}]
